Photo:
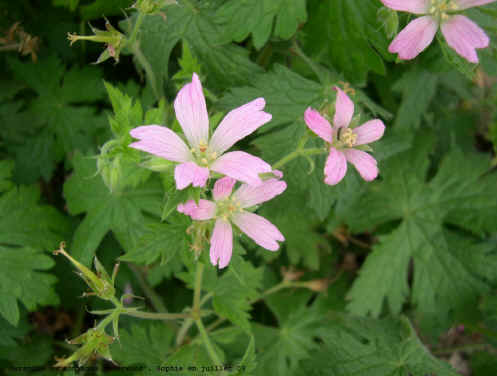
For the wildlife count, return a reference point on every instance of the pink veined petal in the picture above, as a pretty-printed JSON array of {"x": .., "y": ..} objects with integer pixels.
[
  {"x": 241, "y": 166},
  {"x": 370, "y": 131},
  {"x": 223, "y": 188},
  {"x": 318, "y": 124},
  {"x": 465, "y": 4},
  {"x": 411, "y": 6},
  {"x": 248, "y": 195},
  {"x": 203, "y": 211},
  {"x": 344, "y": 109},
  {"x": 259, "y": 229},
  {"x": 364, "y": 163},
  {"x": 160, "y": 141},
  {"x": 238, "y": 124},
  {"x": 221, "y": 244},
  {"x": 190, "y": 173},
  {"x": 464, "y": 36},
  {"x": 191, "y": 112},
  {"x": 414, "y": 38},
  {"x": 335, "y": 167}
]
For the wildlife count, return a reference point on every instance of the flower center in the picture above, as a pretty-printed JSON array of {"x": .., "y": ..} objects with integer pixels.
[
  {"x": 227, "y": 207},
  {"x": 440, "y": 8},
  {"x": 347, "y": 137},
  {"x": 202, "y": 155}
]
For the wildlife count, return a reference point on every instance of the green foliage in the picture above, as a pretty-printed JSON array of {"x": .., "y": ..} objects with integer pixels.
[
  {"x": 286, "y": 15},
  {"x": 347, "y": 35},
  {"x": 122, "y": 212},
  {"x": 444, "y": 278},
  {"x": 22, "y": 279},
  {"x": 61, "y": 115}
]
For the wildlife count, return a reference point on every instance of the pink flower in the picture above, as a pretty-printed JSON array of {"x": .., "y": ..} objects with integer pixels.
[
  {"x": 228, "y": 209},
  {"x": 461, "y": 34},
  {"x": 203, "y": 154},
  {"x": 343, "y": 140}
]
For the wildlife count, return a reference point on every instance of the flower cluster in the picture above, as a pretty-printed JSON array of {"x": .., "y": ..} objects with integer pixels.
[
  {"x": 202, "y": 155},
  {"x": 461, "y": 34}
]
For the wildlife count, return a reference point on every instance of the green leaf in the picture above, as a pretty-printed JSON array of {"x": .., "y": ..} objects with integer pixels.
[
  {"x": 120, "y": 212},
  {"x": 447, "y": 271},
  {"x": 223, "y": 62},
  {"x": 418, "y": 88},
  {"x": 145, "y": 343},
  {"x": 241, "y": 18},
  {"x": 22, "y": 279},
  {"x": 345, "y": 28},
  {"x": 366, "y": 347},
  {"x": 281, "y": 349},
  {"x": 61, "y": 108},
  {"x": 159, "y": 242},
  {"x": 235, "y": 289}
]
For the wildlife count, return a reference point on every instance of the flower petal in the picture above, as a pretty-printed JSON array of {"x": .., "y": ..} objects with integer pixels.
[
  {"x": 223, "y": 188},
  {"x": 465, "y": 4},
  {"x": 221, "y": 244},
  {"x": 335, "y": 167},
  {"x": 241, "y": 166},
  {"x": 203, "y": 211},
  {"x": 318, "y": 124},
  {"x": 190, "y": 173},
  {"x": 363, "y": 162},
  {"x": 160, "y": 141},
  {"x": 249, "y": 195},
  {"x": 344, "y": 109},
  {"x": 414, "y": 38},
  {"x": 259, "y": 229},
  {"x": 237, "y": 124},
  {"x": 464, "y": 36},
  {"x": 191, "y": 112},
  {"x": 411, "y": 6},
  {"x": 370, "y": 131}
]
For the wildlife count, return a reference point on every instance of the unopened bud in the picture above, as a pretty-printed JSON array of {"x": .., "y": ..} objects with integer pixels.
[
  {"x": 112, "y": 38},
  {"x": 152, "y": 6},
  {"x": 101, "y": 285},
  {"x": 291, "y": 274},
  {"x": 318, "y": 285},
  {"x": 95, "y": 342}
]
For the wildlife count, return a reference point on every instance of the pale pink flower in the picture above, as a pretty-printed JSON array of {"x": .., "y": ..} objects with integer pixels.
[
  {"x": 461, "y": 34},
  {"x": 229, "y": 208},
  {"x": 343, "y": 141},
  {"x": 205, "y": 154}
]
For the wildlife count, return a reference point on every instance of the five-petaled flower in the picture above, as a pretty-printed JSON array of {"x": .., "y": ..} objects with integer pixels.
[
  {"x": 228, "y": 208},
  {"x": 205, "y": 154},
  {"x": 461, "y": 34},
  {"x": 344, "y": 140}
]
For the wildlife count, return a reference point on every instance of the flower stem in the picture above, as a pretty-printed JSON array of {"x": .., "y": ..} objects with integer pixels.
[
  {"x": 156, "y": 316},
  {"x": 297, "y": 153},
  {"x": 136, "y": 27},
  {"x": 198, "y": 287},
  {"x": 207, "y": 343},
  {"x": 154, "y": 298},
  {"x": 315, "y": 68}
]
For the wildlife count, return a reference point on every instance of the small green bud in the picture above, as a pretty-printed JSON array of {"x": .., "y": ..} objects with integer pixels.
[
  {"x": 113, "y": 39},
  {"x": 95, "y": 342},
  {"x": 100, "y": 284},
  {"x": 152, "y": 6}
]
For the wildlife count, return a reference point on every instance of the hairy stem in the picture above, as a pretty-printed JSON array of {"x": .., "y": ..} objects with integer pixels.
[
  {"x": 154, "y": 298},
  {"x": 136, "y": 27},
  {"x": 207, "y": 343},
  {"x": 297, "y": 153},
  {"x": 157, "y": 316}
]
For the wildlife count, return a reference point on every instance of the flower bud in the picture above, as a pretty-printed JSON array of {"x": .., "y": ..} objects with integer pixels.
[
  {"x": 152, "y": 6},
  {"x": 318, "y": 285},
  {"x": 95, "y": 342},
  {"x": 101, "y": 285},
  {"x": 113, "y": 39},
  {"x": 291, "y": 274}
]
